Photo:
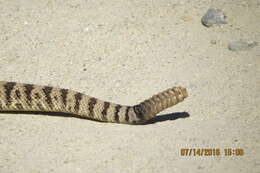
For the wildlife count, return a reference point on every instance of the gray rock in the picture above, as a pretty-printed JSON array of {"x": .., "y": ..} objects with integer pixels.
[
  {"x": 241, "y": 45},
  {"x": 213, "y": 17}
]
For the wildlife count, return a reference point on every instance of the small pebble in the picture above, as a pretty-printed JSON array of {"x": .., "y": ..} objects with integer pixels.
[
  {"x": 26, "y": 23},
  {"x": 241, "y": 45},
  {"x": 213, "y": 42},
  {"x": 213, "y": 17},
  {"x": 191, "y": 86}
]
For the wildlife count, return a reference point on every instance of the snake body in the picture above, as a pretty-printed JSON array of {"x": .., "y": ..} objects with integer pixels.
[{"x": 28, "y": 97}]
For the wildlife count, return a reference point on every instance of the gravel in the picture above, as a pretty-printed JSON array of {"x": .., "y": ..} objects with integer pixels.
[
  {"x": 213, "y": 17},
  {"x": 241, "y": 45}
]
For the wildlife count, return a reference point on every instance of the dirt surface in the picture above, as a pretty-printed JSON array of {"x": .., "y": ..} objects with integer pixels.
[{"x": 124, "y": 52}]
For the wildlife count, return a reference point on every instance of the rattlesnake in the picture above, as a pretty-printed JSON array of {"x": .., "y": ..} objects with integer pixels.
[{"x": 28, "y": 97}]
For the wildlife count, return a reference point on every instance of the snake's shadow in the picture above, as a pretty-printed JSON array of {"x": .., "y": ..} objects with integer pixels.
[
  {"x": 168, "y": 117},
  {"x": 160, "y": 118}
]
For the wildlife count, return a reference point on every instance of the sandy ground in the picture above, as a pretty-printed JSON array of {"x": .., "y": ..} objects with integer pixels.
[{"x": 124, "y": 52}]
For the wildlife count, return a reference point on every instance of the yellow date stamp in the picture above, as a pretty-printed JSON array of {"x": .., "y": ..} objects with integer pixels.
[{"x": 211, "y": 152}]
